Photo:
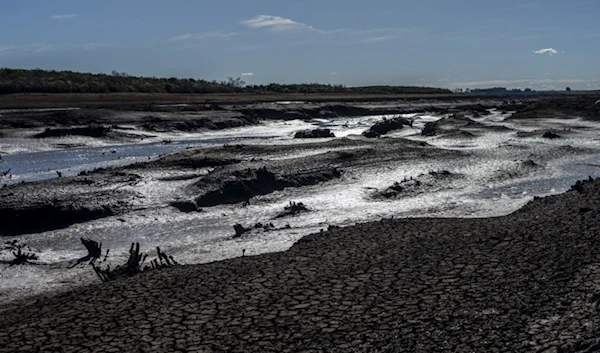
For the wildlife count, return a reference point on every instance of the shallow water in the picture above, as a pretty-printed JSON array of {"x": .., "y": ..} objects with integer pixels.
[
  {"x": 207, "y": 236},
  {"x": 27, "y": 165}
]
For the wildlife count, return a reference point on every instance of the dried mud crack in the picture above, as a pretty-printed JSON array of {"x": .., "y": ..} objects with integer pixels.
[{"x": 526, "y": 282}]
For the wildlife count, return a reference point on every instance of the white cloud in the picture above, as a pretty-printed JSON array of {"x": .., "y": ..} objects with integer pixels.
[
  {"x": 202, "y": 36},
  {"x": 41, "y": 47},
  {"x": 5, "y": 48},
  {"x": 274, "y": 22},
  {"x": 549, "y": 51},
  {"x": 96, "y": 46},
  {"x": 377, "y": 39},
  {"x": 35, "y": 48},
  {"x": 247, "y": 73},
  {"x": 64, "y": 16}
]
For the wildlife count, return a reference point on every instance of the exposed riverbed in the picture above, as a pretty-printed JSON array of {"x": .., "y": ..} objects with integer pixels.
[{"x": 473, "y": 166}]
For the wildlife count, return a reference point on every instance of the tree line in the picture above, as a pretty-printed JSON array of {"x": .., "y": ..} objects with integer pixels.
[{"x": 44, "y": 81}]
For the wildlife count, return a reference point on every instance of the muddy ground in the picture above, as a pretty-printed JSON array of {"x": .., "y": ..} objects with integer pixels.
[
  {"x": 220, "y": 175},
  {"x": 526, "y": 282},
  {"x": 156, "y": 117},
  {"x": 518, "y": 283},
  {"x": 237, "y": 173}
]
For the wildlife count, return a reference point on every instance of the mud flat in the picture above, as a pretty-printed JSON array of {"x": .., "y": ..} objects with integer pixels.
[
  {"x": 518, "y": 283},
  {"x": 78, "y": 118},
  {"x": 526, "y": 282},
  {"x": 217, "y": 176}
]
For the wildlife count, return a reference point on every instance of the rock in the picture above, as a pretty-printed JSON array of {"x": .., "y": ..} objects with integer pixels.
[{"x": 316, "y": 133}]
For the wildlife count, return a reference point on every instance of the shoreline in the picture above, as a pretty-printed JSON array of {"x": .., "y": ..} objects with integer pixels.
[
  {"x": 521, "y": 282},
  {"x": 28, "y": 100}
]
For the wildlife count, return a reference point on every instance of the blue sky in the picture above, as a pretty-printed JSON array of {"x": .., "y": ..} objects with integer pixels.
[{"x": 462, "y": 43}]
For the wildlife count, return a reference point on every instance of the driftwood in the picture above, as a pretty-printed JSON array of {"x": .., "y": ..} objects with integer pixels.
[
  {"x": 163, "y": 260},
  {"x": 21, "y": 257},
  {"x": 134, "y": 264},
  {"x": 130, "y": 268},
  {"x": 293, "y": 209},
  {"x": 240, "y": 230},
  {"x": 94, "y": 252}
]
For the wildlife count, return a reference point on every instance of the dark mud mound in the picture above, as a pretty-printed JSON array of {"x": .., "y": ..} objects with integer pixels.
[
  {"x": 60, "y": 213},
  {"x": 349, "y": 110},
  {"x": 430, "y": 128},
  {"x": 385, "y": 126},
  {"x": 459, "y": 125},
  {"x": 477, "y": 110},
  {"x": 316, "y": 133},
  {"x": 460, "y": 134},
  {"x": 432, "y": 181},
  {"x": 185, "y": 206},
  {"x": 242, "y": 185},
  {"x": 224, "y": 120},
  {"x": 89, "y": 131},
  {"x": 547, "y": 134},
  {"x": 519, "y": 169},
  {"x": 35, "y": 119},
  {"x": 276, "y": 114},
  {"x": 561, "y": 107},
  {"x": 551, "y": 135},
  {"x": 193, "y": 159},
  {"x": 58, "y": 203},
  {"x": 76, "y": 116},
  {"x": 325, "y": 111}
]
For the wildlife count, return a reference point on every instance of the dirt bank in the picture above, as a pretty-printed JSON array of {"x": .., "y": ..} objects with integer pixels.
[
  {"x": 60, "y": 202},
  {"x": 571, "y": 106}
]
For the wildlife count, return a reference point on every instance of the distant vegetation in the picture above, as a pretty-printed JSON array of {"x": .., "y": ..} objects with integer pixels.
[
  {"x": 501, "y": 91},
  {"x": 42, "y": 81}
]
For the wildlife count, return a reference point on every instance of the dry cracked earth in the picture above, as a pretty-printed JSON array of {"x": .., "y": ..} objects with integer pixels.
[{"x": 526, "y": 282}]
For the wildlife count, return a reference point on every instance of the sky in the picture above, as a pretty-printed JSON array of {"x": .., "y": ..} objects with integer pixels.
[{"x": 539, "y": 44}]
